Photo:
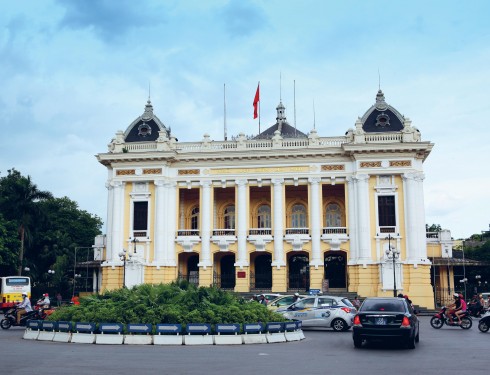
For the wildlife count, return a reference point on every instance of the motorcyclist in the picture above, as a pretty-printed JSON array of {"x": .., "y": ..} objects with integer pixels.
[
  {"x": 44, "y": 302},
  {"x": 475, "y": 306},
  {"x": 459, "y": 313},
  {"x": 24, "y": 307},
  {"x": 454, "y": 308}
]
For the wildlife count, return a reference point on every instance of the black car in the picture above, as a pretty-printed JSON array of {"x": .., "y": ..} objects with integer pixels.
[{"x": 386, "y": 319}]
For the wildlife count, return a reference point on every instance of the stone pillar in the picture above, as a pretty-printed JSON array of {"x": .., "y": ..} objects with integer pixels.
[
  {"x": 415, "y": 225},
  {"x": 363, "y": 219},
  {"x": 241, "y": 205},
  {"x": 117, "y": 219},
  {"x": 110, "y": 207},
  {"x": 205, "y": 205},
  {"x": 352, "y": 222},
  {"x": 315, "y": 220},
  {"x": 171, "y": 204},
  {"x": 278, "y": 227},
  {"x": 160, "y": 223}
]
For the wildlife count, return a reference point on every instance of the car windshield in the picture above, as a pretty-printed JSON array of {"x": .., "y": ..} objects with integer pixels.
[{"x": 383, "y": 305}]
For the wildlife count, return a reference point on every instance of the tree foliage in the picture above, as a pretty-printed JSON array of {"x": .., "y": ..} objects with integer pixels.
[
  {"x": 41, "y": 232},
  {"x": 166, "y": 303}
]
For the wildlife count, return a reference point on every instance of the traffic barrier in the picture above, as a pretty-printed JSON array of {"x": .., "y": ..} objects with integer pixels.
[
  {"x": 63, "y": 333},
  {"x": 47, "y": 331},
  {"x": 84, "y": 333},
  {"x": 204, "y": 338},
  {"x": 168, "y": 334},
  {"x": 32, "y": 329},
  {"x": 275, "y": 332},
  {"x": 110, "y": 334},
  {"x": 139, "y": 334},
  {"x": 227, "y": 334},
  {"x": 253, "y": 334}
]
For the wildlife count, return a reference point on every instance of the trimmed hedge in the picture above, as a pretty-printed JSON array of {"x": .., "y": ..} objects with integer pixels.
[{"x": 178, "y": 302}]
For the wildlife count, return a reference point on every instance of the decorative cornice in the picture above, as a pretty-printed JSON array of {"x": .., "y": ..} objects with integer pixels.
[
  {"x": 185, "y": 172},
  {"x": 126, "y": 172},
  {"x": 333, "y": 167}
]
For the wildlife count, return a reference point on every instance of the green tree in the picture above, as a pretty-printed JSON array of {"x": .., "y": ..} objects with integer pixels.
[
  {"x": 19, "y": 202},
  {"x": 433, "y": 228},
  {"x": 9, "y": 245}
]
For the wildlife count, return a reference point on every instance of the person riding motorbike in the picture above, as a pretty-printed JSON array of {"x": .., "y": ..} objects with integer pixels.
[
  {"x": 475, "y": 306},
  {"x": 452, "y": 308},
  {"x": 24, "y": 307},
  {"x": 44, "y": 302},
  {"x": 459, "y": 313},
  {"x": 296, "y": 297}
]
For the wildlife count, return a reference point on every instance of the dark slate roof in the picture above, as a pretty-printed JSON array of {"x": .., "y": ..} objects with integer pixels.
[
  {"x": 286, "y": 131},
  {"x": 146, "y": 127},
  {"x": 382, "y": 117}
]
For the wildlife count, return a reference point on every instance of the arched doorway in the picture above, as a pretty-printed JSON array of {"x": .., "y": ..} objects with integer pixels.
[
  {"x": 336, "y": 269},
  {"x": 224, "y": 277},
  {"x": 188, "y": 269},
  {"x": 261, "y": 277},
  {"x": 298, "y": 272}
]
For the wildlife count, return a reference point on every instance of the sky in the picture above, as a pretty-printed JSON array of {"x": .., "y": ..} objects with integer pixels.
[{"x": 73, "y": 72}]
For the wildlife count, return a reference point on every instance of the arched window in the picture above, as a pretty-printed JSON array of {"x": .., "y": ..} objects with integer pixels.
[
  {"x": 298, "y": 217},
  {"x": 333, "y": 216},
  {"x": 264, "y": 217},
  {"x": 229, "y": 216},
  {"x": 195, "y": 218}
]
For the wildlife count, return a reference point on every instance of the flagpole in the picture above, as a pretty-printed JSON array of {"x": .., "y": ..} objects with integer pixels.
[
  {"x": 259, "y": 107},
  {"x": 224, "y": 108}
]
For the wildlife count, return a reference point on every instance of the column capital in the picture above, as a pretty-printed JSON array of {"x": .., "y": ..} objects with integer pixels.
[
  {"x": 314, "y": 180},
  {"x": 241, "y": 182},
  {"x": 159, "y": 183},
  {"x": 415, "y": 176},
  {"x": 277, "y": 181},
  {"x": 117, "y": 184},
  {"x": 205, "y": 183},
  {"x": 361, "y": 177}
]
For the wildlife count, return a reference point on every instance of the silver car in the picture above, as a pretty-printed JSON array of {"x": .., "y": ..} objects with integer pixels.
[{"x": 322, "y": 311}]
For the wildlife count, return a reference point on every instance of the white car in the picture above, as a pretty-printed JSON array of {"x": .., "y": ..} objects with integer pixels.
[
  {"x": 282, "y": 301},
  {"x": 322, "y": 312}
]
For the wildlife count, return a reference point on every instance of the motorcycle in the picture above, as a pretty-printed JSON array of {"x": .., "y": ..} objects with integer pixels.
[
  {"x": 484, "y": 323},
  {"x": 10, "y": 318},
  {"x": 439, "y": 319},
  {"x": 476, "y": 312}
]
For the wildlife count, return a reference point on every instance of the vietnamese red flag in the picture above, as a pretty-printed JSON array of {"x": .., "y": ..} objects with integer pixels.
[{"x": 256, "y": 100}]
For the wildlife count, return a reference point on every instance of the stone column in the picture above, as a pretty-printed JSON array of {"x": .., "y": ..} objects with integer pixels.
[
  {"x": 352, "y": 223},
  {"x": 278, "y": 227},
  {"x": 415, "y": 217},
  {"x": 110, "y": 207},
  {"x": 160, "y": 223},
  {"x": 363, "y": 219},
  {"x": 171, "y": 223},
  {"x": 205, "y": 224},
  {"x": 315, "y": 220},
  {"x": 117, "y": 219},
  {"x": 241, "y": 205}
]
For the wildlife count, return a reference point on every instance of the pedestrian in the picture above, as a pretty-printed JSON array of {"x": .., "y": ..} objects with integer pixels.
[
  {"x": 262, "y": 300},
  {"x": 356, "y": 302},
  {"x": 58, "y": 299}
]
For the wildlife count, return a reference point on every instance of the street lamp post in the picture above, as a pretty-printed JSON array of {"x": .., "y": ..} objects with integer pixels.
[
  {"x": 123, "y": 255},
  {"x": 478, "y": 283},
  {"x": 50, "y": 273},
  {"x": 393, "y": 254}
]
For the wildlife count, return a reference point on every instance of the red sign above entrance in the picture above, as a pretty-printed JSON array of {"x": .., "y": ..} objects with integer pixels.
[{"x": 241, "y": 274}]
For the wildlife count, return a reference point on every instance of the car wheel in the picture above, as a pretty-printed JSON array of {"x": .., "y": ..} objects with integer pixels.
[
  {"x": 5, "y": 323},
  {"x": 483, "y": 326},
  {"x": 466, "y": 323},
  {"x": 339, "y": 325},
  {"x": 417, "y": 338},
  {"x": 436, "y": 322},
  {"x": 411, "y": 342},
  {"x": 357, "y": 342}
]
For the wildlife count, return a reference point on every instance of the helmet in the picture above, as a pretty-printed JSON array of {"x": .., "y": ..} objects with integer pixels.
[
  {"x": 24, "y": 294},
  {"x": 45, "y": 295},
  {"x": 456, "y": 295},
  {"x": 296, "y": 294}
]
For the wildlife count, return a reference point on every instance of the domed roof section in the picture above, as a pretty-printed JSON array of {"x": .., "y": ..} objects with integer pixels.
[
  {"x": 281, "y": 125},
  {"x": 382, "y": 117},
  {"x": 146, "y": 127}
]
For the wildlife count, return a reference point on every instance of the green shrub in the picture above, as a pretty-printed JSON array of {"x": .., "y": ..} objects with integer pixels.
[{"x": 178, "y": 302}]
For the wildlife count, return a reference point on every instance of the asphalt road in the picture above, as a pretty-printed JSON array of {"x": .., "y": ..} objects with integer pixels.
[{"x": 449, "y": 350}]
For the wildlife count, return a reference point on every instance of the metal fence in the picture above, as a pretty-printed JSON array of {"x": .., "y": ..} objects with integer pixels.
[{"x": 260, "y": 282}]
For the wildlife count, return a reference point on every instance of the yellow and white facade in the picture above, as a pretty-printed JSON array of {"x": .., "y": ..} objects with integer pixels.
[{"x": 284, "y": 211}]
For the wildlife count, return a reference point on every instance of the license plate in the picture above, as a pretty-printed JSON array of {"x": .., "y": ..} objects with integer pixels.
[{"x": 380, "y": 321}]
